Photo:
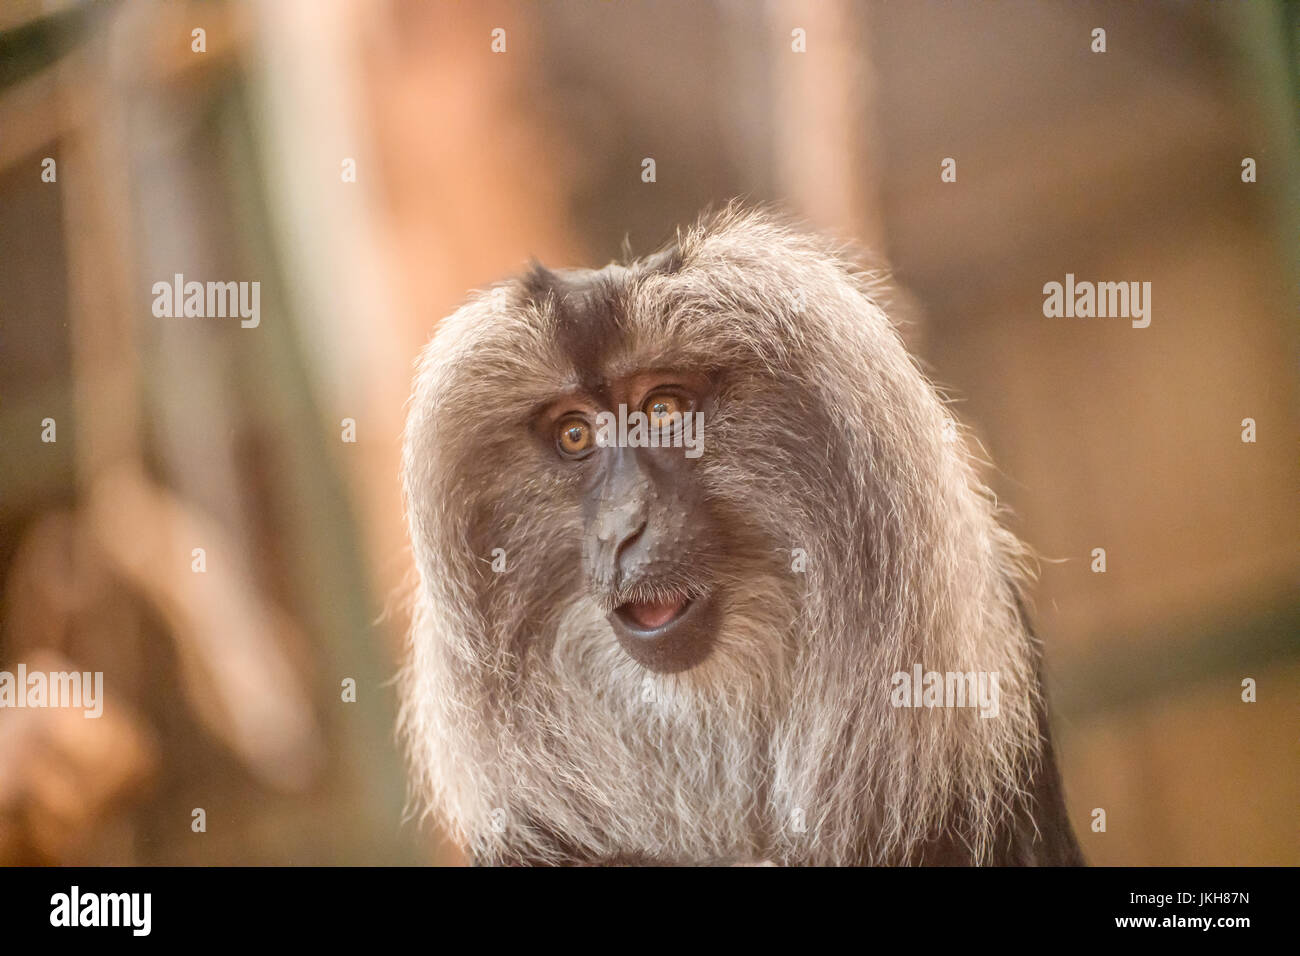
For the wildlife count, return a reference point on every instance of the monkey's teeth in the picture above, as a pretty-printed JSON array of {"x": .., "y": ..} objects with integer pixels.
[{"x": 649, "y": 615}]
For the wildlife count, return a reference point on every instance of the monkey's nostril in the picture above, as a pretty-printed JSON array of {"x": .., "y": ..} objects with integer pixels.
[{"x": 627, "y": 549}]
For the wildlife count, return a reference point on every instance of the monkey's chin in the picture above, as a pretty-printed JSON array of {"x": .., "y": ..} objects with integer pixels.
[{"x": 683, "y": 641}]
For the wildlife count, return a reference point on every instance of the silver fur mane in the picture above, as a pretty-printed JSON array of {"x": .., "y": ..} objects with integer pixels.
[{"x": 527, "y": 727}]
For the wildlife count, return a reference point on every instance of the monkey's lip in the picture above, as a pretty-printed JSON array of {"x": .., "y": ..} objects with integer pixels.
[
  {"x": 669, "y": 635},
  {"x": 652, "y": 615}
]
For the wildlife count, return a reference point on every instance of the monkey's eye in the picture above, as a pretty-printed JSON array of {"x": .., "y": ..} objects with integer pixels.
[
  {"x": 661, "y": 406},
  {"x": 574, "y": 437}
]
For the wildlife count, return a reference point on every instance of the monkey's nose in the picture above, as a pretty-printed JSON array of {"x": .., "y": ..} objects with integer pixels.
[
  {"x": 619, "y": 523},
  {"x": 617, "y": 527}
]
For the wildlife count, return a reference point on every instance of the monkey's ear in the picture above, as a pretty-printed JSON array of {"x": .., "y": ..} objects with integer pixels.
[
  {"x": 539, "y": 281},
  {"x": 666, "y": 261}
]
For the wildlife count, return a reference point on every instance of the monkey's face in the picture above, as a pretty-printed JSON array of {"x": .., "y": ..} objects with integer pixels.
[
  {"x": 604, "y": 495},
  {"x": 650, "y": 542},
  {"x": 633, "y": 459}
]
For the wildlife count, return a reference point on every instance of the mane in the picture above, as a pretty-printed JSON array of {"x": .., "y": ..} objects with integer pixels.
[{"x": 537, "y": 739}]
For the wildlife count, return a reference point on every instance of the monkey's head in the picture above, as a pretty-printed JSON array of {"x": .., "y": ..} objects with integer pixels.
[{"x": 676, "y": 523}]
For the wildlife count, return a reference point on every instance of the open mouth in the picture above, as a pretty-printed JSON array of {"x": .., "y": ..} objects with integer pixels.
[
  {"x": 668, "y": 634},
  {"x": 652, "y": 615}
]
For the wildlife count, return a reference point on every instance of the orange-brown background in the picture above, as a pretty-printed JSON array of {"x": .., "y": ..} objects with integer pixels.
[{"x": 224, "y": 689}]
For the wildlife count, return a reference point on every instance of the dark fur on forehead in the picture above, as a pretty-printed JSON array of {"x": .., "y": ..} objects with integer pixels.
[{"x": 590, "y": 305}]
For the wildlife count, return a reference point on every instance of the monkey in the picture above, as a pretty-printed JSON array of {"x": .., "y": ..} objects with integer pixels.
[{"x": 622, "y": 654}]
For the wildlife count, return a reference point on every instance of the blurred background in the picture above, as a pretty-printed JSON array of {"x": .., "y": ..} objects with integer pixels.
[{"x": 369, "y": 162}]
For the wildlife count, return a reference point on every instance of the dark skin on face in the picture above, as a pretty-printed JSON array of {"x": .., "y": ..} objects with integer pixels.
[{"x": 647, "y": 530}]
